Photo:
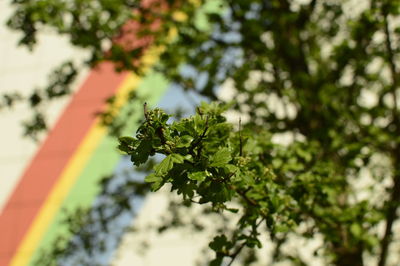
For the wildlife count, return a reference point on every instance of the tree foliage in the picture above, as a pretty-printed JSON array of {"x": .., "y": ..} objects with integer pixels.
[{"x": 322, "y": 75}]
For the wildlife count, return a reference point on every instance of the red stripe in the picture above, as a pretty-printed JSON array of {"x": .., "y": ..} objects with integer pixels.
[
  {"x": 47, "y": 165},
  {"x": 44, "y": 170}
]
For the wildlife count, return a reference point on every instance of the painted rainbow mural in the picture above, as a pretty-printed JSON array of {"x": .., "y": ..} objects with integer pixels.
[
  {"x": 53, "y": 183},
  {"x": 62, "y": 174},
  {"x": 66, "y": 168}
]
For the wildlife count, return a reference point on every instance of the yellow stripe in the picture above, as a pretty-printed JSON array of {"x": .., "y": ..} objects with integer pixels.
[
  {"x": 57, "y": 195},
  {"x": 60, "y": 191},
  {"x": 73, "y": 169},
  {"x": 75, "y": 165}
]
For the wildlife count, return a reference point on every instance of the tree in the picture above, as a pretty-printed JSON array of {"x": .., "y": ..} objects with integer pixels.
[{"x": 324, "y": 74}]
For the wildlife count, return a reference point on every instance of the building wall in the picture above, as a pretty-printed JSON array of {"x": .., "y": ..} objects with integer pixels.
[{"x": 22, "y": 70}]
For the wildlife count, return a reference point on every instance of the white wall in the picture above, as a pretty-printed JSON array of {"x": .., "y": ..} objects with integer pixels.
[{"x": 22, "y": 70}]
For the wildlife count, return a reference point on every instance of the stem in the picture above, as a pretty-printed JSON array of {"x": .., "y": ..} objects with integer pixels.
[
  {"x": 244, "y": 196},
  {"x": 393, "y": 69},
  {"x": 240, "y": 138},
  {"x": 237, "y": 252},
  {"x": 390, "y": 218},
  {"x": 195, "y": 143},
  {"x": 240, "y": 248},
  {"x": 394, "y": 200},
  {"x": 145, "y": 112}
]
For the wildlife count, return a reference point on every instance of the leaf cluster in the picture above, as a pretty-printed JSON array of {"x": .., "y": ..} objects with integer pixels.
[
  {"x": 321, "y": 77},
  {"x": 207, "y": 162}
]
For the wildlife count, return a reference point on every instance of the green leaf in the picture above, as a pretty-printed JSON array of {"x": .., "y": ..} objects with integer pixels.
[
  {"x": 233, "y": 210},
  {"x": 304, "y": 154},
  {"x": 281, "y": 228},
  {"x": 217, "y": 261},
  {"x": 218, "y": 242},
  {"x": 165, "y": 165},
  {"x": 127, "y": 144},
  {"x": 356, "y": 230},
  {"x": 231, "y": 168},
  {"x": 153, "y": 178},
  {"x": 127, "y": 140},
  {"x": 177, "y": 158},
  {"x": 221, "y": 158},
  {"x": 142, "y": 152},
  {"x": 184, "y": 141},
  {"x": 198, "y": 176}
]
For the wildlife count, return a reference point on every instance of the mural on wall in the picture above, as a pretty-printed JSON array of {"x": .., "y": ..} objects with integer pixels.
[
  {"x": 62, "y": 172},
  {"x": 47, "y": 181}
]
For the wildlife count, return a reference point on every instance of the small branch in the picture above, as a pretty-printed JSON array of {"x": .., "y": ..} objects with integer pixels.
[
  {"x": 160, "y": 134},
  {"x": 305, "y": 13},
  {"x": 393, "y": 69},
  {"x": 198, "y": 110},
  {"x": 249, "y": 200},
  {"x": 390, "y": 216},
  {"x": 145, "y": 111},
  {"x": 237, "y": 252},
  {"x": 196, "y": 142},
  {"x": 240, "y": 138},
  {"x": 240, "y": 248},
  {"x": 394, "y": 200},
  {"x": 241, "y": 193}
]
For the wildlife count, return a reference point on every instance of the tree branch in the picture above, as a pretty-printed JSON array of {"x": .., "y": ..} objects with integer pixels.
[
  {"x": 240, "y": 138},
  {"x": 394, "y": 200},
  {"x": 240, "y": 248}
]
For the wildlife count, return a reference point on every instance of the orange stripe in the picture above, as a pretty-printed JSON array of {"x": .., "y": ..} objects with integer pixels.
[
  {"x": 47, "y": 165},
  {"x": 72, "y": 172}
]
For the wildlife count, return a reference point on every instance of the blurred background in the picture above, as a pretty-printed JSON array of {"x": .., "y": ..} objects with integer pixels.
[
  {"x": 43, "y": 182},
  {"x": 68, "y": 196}
]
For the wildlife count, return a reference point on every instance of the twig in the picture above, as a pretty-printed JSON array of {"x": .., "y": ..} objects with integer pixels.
[
  {"x": 196, "y": 142},
  {"x": 395, "y": 195},
  {"x": 249, "y": 200},
  {"x": 237, "y": 252},
  {"x": 240, "y": 138},
  {"x": 145, "y": 112}
]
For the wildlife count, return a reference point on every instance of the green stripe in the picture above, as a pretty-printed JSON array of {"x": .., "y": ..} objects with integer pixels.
[
  {"x": 102, "y": 163},
  {"x": 106, "y": 156}
]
